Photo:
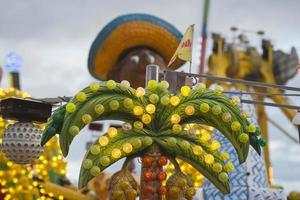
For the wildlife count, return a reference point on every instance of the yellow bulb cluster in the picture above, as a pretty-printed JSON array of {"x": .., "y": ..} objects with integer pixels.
[{"x": 17, "y": 180}]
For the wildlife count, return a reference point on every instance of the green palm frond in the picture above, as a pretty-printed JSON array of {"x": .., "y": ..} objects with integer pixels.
[
  {"x": 86, "y": 110},
  {"x": 214, "y": 119},
  {"x": 108, "y": 150},
  {"x": 160, "y": 117},
  {"x": 192, "y": 151},
  {"x": 54, "y": 124}
]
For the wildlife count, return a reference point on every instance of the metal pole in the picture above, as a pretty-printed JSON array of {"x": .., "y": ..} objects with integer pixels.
[
  {"x": 204, "y": 37},
  {"x": 152, "y": 73}
]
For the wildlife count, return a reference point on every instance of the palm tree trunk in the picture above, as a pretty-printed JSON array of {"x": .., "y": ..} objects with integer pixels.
[{"x": 150, "y": 185}]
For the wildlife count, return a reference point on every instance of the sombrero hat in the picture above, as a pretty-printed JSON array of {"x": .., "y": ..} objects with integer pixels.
[{"x": 129, "y": 31}]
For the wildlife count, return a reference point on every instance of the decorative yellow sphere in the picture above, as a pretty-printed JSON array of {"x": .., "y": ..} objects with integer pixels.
[
  {"x": 140, "y": 92},
  {"x": 223, "y": 176},
  {"x": 111, "y": 84},
  {"x": 251, "y": 128},
  {"x": 128, "y": 103},
  {"x": 177, "y": 128},
  {"x": 217, "y": 167},
  {"x": 235, "y": 126},
  {"x": 103, "y": 140},
  {"x": 150, "y": 108},
  {"x": 165, "y": 100},
  {"x": 138, "y": 125},
  {"x": 74, "y": 130},
  {"x": 224, "y": 155},
  {"x": 94, "y": 87},
  {"x": 174, "y": 100},
  {"x": 112, "y": 132},
  {"x": 81, "y": 96},
  {"x": 215, "y": 145},
  {"x": 209, "y": 159},
  {"x": 185, "y": 91},
  {"x": 116, "y": 153},
  {"x": 154, "y": 98},
  {"x": 99, "y": 109},
  {"x": 127, "y": 148},
  {"x": 201, "y": 87},
  {"x": 146, "y": 118},
  {"x": 114, "y": 105},
  {"x": 226, "y": 117},
  {"x": 235, "y": 100},
  {"x": 94, "y": 171},
  {"x": 152, "y": 85},
  {"x": 86, "y": 118},
  {"x": 197, "y": 150},
  {"x": 205, "y": 136},
  {"x": 125, "y": 83},
  {"x": 138, "y": 110},
  {"x": 70, "y": 107},
  {"x": 189, "y": 110},
  {"x": 95, "y": 149},
  {"x": 218, "y": 90},
  {"x": 204, "y": 107},
  {"x": 175, "y": 118},
  {"x": 228, "y": 167}
]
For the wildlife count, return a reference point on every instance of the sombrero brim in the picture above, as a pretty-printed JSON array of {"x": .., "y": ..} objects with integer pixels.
[{"x": 129, "y": 31}]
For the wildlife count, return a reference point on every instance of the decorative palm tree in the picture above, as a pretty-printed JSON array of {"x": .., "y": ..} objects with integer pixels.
[{"x": 153, "y": 129}]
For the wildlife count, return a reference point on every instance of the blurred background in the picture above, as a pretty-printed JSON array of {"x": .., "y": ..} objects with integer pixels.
[{"x": 54, "y": 37}]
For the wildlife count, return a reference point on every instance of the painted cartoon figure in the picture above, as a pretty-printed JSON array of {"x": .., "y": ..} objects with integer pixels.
[{"x": 126, "y": 45}]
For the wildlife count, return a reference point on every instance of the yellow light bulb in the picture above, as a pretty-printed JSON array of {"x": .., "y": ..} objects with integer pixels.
[
  {"x": 197, "y": 150},
  {"x": 235, "y": 126},
  {"x": 150, "y": 108},
  {"x": 146, "y": 118},
  {"x": 228, "y": 167},
  {"x": 226, "y": 117},
  {"x": 138, "y": 125},
  {"x": 204, "y": 107},
  {"x": 185, "y": 91},
  {"x": 235, "y": 100},
  {"x": 127, "y": 148},
  {"x": 74, "y": 130},
  {"x": 116, "y": 153},
  {"x": 103, "y": 140},
  {"x": 138, "y": 110},
  {"x": 94, "y": 87},
  {"x": 215, "y": 145},
  {"x": 81, "y": 96},
  {"x": 174, "y": 100},
  {"x": 86, "y": 118},
  {"x": 112, "y": 132},
  {"x": 205, "y": 136},
  {"x": 189, "y": 110},
  {"x": 175, "y": 118},
  {"x": 125, "y": 83},
  {"x": 139, "y": 92},
  {"x": 70, "y": 107},
  {"x": 209, "y": 159}
]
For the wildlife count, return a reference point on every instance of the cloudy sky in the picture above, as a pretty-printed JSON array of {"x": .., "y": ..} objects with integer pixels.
[{"x": 54, "y": 38}]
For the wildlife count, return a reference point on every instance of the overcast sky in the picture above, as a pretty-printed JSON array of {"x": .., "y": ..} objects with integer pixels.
[{"x": 54, "y": 38}]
